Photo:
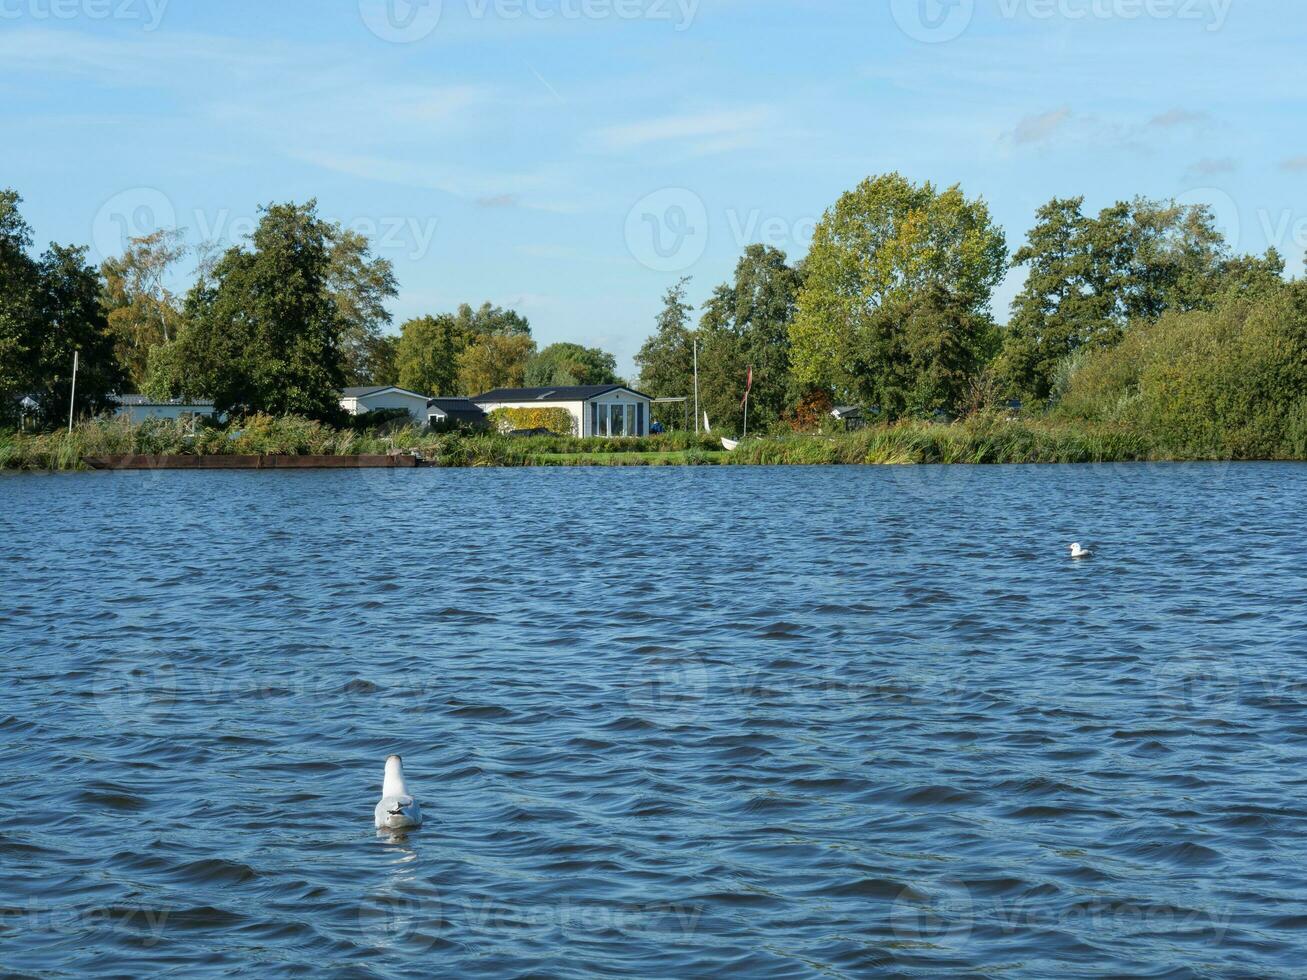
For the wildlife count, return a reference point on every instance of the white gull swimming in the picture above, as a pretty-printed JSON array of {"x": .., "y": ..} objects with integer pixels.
[{"x": 397, "y": 809}]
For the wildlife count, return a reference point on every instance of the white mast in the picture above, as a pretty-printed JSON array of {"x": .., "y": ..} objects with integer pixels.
[{"x": 72, "y": 396}]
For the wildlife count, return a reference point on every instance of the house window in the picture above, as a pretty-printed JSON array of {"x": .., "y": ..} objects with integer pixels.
[{"x": 639, "y": 419}]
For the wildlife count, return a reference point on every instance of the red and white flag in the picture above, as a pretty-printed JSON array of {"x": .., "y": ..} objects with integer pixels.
[{"x": 748, "y": 384}]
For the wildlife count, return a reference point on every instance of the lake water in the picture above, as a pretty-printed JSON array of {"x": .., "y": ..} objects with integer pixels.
[{"x": 675, "y": 722}]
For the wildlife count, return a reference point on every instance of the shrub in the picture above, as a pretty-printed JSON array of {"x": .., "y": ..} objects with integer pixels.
[{"x": 557, "y": 420}]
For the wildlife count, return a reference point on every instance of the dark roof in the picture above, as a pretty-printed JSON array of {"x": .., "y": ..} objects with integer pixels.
[
  {"x": 144, "y": 401},
  {"x": 575, "y": 393},
  {"x": 461, "y": 409},
  {"x": 373, "y": 389}
]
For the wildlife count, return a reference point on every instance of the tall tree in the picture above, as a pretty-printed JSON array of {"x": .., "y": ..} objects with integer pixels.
[
  {"x": 360, "y": 285},
  {"x": 1089, "y": 278},
  {"x": 891, "y": 245},
  {"x": 666, "y": 361},
  {"x": 571, "y": 364},
  {"x": 263, "y": 331},
  {"x": 495, "y": 360},
  {"x": 18, "y": 284},
  {"x": 745, "y": 326},
  {"x": 72, "y": 319},
  {"x": 429, "y": 349},
  {"x": 143, "y": 312}
]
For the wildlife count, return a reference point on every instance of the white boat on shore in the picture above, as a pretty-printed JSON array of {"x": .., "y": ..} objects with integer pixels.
[{"x": 730, "y": 445}]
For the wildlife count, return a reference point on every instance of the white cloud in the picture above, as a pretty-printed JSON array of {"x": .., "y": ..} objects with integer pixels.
[{"x": 705, "y": 132}]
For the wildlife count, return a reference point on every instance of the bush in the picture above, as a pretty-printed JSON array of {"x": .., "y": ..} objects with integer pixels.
[
  {"x": 557, "y": 420},
  {"x": 1224, "y": 384}
]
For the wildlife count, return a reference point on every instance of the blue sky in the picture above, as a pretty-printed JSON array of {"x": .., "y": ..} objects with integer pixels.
[{"x": 572, "y": 158}]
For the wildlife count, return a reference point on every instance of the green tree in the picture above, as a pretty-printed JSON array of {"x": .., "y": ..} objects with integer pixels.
[
  {"x": 887, "y": 247},
  {"x": 429, "y": 348},
  {"x": 360, "y": 285},
  {"x": 18, "y": 284},
  {"x": 263, "y": 331},
  {"x": 571, "y": 364},
  {"x": 495, "y": 360},
  {"x": 142, "y": 311},
  {"x": 49, "y": 309},
  {"x": 380, "y": 364},
  {"x": 666, "y": 361},
  {"x": 746, "y": 324},
  {"x": 1088, "y": 279},
  {"x": 71, "y": 319}
]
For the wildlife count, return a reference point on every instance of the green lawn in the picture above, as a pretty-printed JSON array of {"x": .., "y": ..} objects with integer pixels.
[{"x": 681, "y": 458}]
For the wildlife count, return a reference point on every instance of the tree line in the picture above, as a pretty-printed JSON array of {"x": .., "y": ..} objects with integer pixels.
[
  {"x": 1139, "y": 314},
  {"x": 278, "y": 324},
  {"x": 891, "y": 310}
]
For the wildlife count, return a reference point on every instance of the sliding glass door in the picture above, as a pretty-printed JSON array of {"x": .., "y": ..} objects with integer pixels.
[{"x": 614, "y": 420}]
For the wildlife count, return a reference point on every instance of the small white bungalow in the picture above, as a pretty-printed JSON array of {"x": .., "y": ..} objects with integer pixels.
[
  {"x": 360, "y": 401},
  {"x": 138, "y": 408},
  {"x": 597, "y": 410}
]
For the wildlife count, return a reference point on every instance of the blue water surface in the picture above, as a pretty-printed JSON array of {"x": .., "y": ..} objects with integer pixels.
[{"x": 663, "y": 723}]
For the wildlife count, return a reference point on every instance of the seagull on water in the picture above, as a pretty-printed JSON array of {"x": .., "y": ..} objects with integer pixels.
[
  {"x": 397, "y": 809},
  {"x": 1079, "y": 552}
]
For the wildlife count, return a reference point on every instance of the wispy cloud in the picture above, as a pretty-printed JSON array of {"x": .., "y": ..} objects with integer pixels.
[
  {"x": 1213, "y": 167},
  {"x": 705, "y": 132},
  {"x": 1175, "y": 118},
  {"x": 1294, "y": 165},
  {"x": 1040, "y": 128}
]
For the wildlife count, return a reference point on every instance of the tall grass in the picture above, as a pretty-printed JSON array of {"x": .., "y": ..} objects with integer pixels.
[{"x": 981, "y": 439}]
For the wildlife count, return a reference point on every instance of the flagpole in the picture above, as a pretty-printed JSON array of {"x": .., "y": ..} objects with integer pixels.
[
  {"x": 696, "y": 386},
  {"x": 746, "y": 415},
  {"x": 72, "y": 396}
]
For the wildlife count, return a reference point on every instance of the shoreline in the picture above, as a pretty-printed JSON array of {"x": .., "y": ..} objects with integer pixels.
[{"x": 290, "y": 442}]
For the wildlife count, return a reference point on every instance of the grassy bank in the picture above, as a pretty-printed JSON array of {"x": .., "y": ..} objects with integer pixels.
[{"x": 986, "y": 439}]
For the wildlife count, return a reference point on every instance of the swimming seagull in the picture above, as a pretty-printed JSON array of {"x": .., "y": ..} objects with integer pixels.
[
  {"x": 397, "y": 809},
  {"x": 1079, "y": 552}
]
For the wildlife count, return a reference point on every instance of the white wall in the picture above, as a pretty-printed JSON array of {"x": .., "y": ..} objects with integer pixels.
[{"x": 415, "y": 405}]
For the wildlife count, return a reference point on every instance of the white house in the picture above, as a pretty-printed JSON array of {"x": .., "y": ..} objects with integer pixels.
[
  {"x": 597, "y": 410},
  {"x": 360, "y": 401},
  {"x": 138, "y": 408}
]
